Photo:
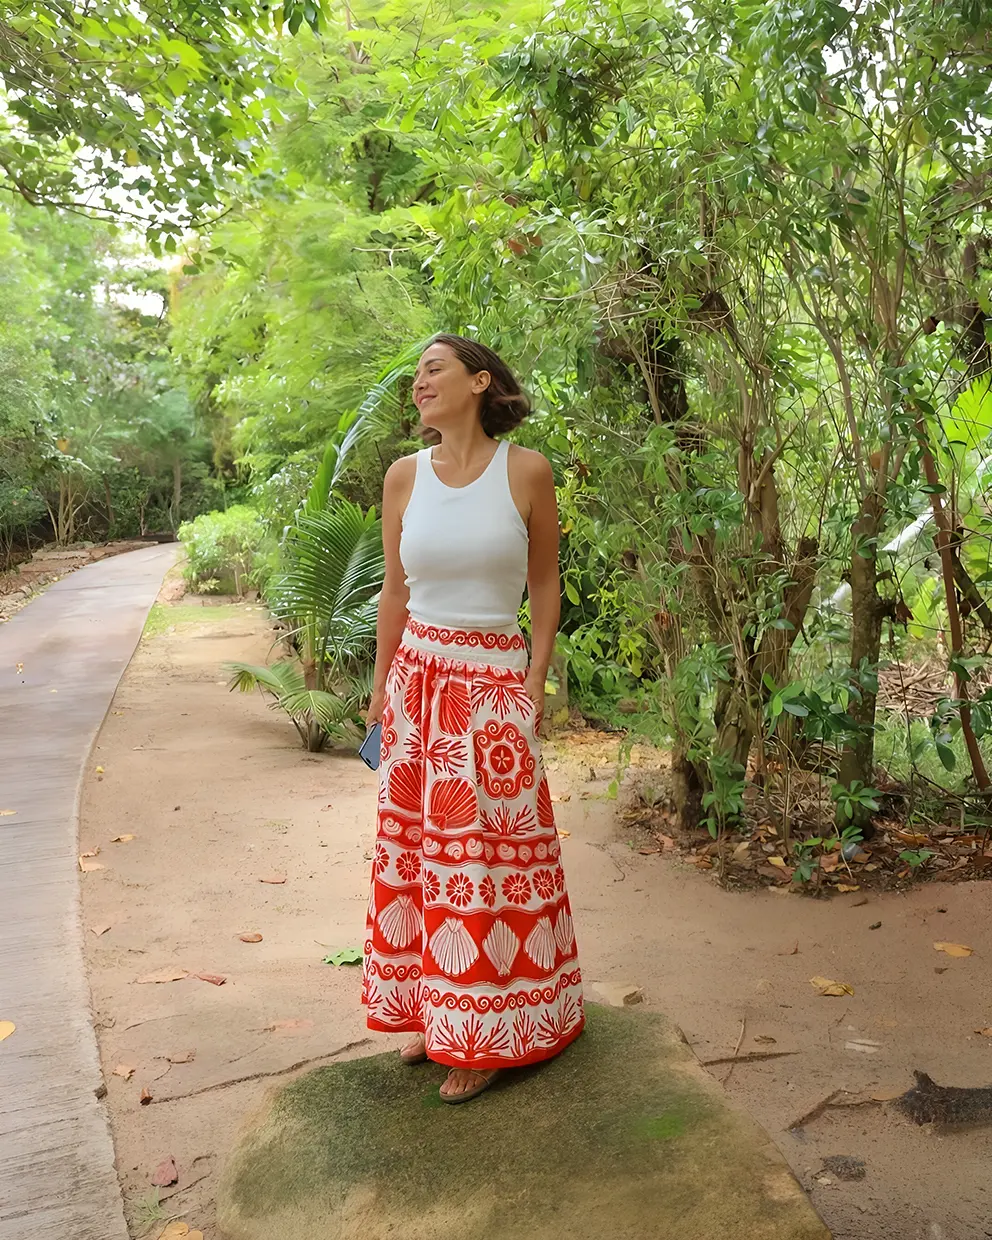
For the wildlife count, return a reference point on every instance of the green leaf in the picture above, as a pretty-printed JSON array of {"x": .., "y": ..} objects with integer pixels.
[{"x": 350, "y": 955}]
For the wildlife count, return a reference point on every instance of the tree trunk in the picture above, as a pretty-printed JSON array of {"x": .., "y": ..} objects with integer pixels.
[
  {"x": 867, "y": 612},
  {"x": 177, "y": 491}
]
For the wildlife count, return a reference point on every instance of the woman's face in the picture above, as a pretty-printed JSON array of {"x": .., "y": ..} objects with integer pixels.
[{"x": 443, "y": 389}]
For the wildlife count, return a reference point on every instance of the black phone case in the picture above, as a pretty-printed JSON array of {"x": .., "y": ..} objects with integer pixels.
[{"x": 369, "y": 751}]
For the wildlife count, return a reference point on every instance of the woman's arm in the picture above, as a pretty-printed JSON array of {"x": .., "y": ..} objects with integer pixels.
[
  {"x": 543, "y": 583},
  {"x": 393, "y": 600}
]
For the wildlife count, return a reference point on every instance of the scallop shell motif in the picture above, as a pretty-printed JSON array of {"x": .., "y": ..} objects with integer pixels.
[
  {"x": 506, "y": 852},
  {"x": 541, "y": 851},
  {"x": 453, "y": 804},
  {"x": 414, "y": 834},
  {"x": 564, "y": 933},
  {"x": 540, "y": 944},
  {"x": 455, "y": 709},
  {"x": 501, "y": 946},
  {"x": 455, "y": 851},
  {"x": 453, "y": 948},
  {"x": 524, "y": 854},
  {"x": 545, "y": 810},
  {"x": 406, "y": 786},
  {"x": 400, "y": 922},
  {"x": 412, "y": 697},
  {"x": 390, "y": 825},
  {"x": 474, "y": 847}
]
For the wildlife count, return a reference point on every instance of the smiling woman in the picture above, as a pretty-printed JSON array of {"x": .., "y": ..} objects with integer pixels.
[{"x": 469, "y": 942}]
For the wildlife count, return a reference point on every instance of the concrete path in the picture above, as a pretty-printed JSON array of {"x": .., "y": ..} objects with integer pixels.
[{"x": 57, "y": 1177}]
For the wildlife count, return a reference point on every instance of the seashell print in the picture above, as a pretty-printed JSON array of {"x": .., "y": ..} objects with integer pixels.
[
  {"x": 431, "y": 846},
  {"x": 400, "y": 922},
  {"x": 554, "y": 848},
  {"x": 390, "y": 825},
  {"x": 406, "y": 786},
  {"x": 524, "y": 854},
  {"x": 501, "y": 946},
  {"x": 540, "y": 944},
  {"x": 545, "y": 810},
  {"x": 540, "y": 851},
  {"x": 412, "y": 697},
  {"x": 474, "y": 847},
  {"x": 454, "y": 714},
  {"x": 414, "y": 835},
  {"x": 506, "y": 852},
  {"x": 453, "y": 948},
  {"x": 564, "y": 933},
  {"x": 490, "y": 852},
  {"x": 452, "y": 804},
  {"x": 455, "y": 850}
]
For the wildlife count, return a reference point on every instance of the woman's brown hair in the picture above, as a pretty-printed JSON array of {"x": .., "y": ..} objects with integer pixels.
[{"x": 504, "y": 404}]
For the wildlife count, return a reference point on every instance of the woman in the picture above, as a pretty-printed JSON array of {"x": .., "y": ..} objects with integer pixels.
[{"x": 469, "y": 942}]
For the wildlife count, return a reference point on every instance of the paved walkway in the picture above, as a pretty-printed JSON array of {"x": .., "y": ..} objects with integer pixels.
[{"x": 57, "y": 1178}]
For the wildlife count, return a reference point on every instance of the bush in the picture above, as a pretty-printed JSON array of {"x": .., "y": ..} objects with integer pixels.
[{"x": 227, "y": 552}]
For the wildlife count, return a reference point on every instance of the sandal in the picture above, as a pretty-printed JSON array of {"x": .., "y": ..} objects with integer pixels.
[
  {"x": 413, "y": 1057},
  {"x": 486, "y": 1079}
]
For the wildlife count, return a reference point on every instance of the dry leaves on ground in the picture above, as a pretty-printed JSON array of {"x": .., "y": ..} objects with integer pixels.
[
  {"x": 122, "y": 839},
  {"x": 828, "y": 987},
  {"x": 250, "y": 938},
  {"x": 87, "y": 865},
  {"x": 7, "y": 813},
  {"x": 166, "y": 1174},
  {"x": 98, "y": 930},
  {"x": 146, "y": 1096},
  {"x": 215, "y": 979},
  {"x": 7, "y": 1027},
  {"x": 953, "y": 949},
  {"x": 99, "y": 770},
  {"x": 178, "y": 1230},
  {"x": 170, "y": 974},
  {"x": 124, "y": 1070},
  {"x": 273, "y": 878},
  {"x": 848, "y": 887}
]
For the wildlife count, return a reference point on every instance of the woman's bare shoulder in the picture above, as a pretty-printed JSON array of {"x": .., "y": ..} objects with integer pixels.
[
  {"x": 401, "y": 471},
  {"x": 526, "y": 463}
]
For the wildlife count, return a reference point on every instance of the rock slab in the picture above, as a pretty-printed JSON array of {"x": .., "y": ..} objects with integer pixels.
[{"x": 623, "y": 1136}]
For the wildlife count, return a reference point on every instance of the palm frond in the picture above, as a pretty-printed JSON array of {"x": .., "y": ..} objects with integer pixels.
[
  {"x": 278, "y": 678},
  {"x": 333, "y": 561}
]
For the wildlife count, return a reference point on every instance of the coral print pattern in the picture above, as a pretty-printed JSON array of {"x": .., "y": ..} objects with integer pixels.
[{"x": 469, "y": 935}]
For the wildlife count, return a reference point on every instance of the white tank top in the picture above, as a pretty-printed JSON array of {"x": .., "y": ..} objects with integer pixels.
[{"x": 464, "y": 549}]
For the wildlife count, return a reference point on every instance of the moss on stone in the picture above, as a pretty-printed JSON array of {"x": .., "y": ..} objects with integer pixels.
[{"x": 621, "y": 1135}]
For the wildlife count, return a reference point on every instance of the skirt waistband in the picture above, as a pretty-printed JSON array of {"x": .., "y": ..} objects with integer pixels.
[{"x": 489, "y": 647}]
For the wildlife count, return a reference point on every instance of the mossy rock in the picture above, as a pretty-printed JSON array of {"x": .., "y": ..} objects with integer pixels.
[{"x": 623, "y": 1136}]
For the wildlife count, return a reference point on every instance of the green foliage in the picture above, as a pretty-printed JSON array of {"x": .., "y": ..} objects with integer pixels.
[
  {"x": 326, "y": 594},
  {"x": 226, "y": 552}
]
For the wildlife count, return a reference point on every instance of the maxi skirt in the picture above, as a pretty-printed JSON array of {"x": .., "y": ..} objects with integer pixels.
[{"x": 469, "y": 935}]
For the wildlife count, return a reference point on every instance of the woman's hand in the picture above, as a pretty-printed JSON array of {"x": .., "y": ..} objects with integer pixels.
[
  {"x": 376, "y": 706},
  {"x": 534, "y": 688}
]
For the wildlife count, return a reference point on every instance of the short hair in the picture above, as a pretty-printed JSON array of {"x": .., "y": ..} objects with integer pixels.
[{"x": 504, "y": 403}]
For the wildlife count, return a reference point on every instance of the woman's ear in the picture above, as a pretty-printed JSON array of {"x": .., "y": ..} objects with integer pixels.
[{"x": 481, "y": 381}]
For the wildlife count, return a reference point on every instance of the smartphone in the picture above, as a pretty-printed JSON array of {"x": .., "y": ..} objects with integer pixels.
[{"x": 369, "y": 751}]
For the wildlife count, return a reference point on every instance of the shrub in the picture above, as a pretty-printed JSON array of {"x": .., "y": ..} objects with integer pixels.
[{"x": 227, "y": 552}]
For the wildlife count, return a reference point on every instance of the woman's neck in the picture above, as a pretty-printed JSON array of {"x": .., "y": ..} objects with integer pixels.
[{"x": 464, "y": 446}]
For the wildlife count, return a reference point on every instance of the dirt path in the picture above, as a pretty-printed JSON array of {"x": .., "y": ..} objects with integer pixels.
[{"x": 218, "y": 796}]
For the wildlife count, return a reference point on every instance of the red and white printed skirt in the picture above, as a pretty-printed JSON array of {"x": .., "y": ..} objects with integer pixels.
[{"x": 469, "y": 936}]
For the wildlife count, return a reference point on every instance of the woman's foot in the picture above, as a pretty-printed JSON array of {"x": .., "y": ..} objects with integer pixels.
[
  {"x": 414, "y": 1052},
  {"x": 466, "y": 1083}
]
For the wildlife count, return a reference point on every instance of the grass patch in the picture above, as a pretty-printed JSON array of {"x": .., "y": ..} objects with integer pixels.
[{"x": 163, "y": 617}]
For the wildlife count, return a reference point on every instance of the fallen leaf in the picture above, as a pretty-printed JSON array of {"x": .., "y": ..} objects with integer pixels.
[
  {"x": 790, "y": 951},
  {"x": 166, "y": 1174},
  {"x": 98, "y": 930},
  {"x": 178, "y": 1230},
  {"x": 778, "y": 861},
  {"x": 567, "y": 796},
  {"x": 215, "y": 979},
  {"x": 943, "y": 970},
  {"x": 649, "y": 852},
  {"x": 288, "y": 1026},
  {"x": 273, "y": 878},
  {"x": 146, "y": 1096},
  {"x": 563, "y": 835},
  {"x": 765, "y": 1040},
  {"x": 986, "y": 1033},
  {"x": 827, "y": 987},
  {"x": 122, "y": 839},
  {"x": 666, "y": 841},
  {"x": 182, "y": 1057},
  {"x": 7, "y": 1027},
  {"x": 250, "y": 938},
  {"x": 170, "y": 974},
  {"x": 88, "y": 866},
  {"x": 848, "y": 887},
  {"x": 864, "y": 1045},
  {"x": 742, "y": 850},
  {"x": 7, "y": 813},
  {"x": 350, "y": 955},
  {"x": 99, "y": 770},
  {"x": 953, "y": 949},
  {"x": 93, "y": 852},
  {"x": 829, "y": 862},
  {"x": 124, "y": 1070},
  {"x": 634, "y": 997}
]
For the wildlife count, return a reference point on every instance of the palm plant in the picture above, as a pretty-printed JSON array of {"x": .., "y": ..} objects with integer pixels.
[{"x": 326, "y": 594}]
